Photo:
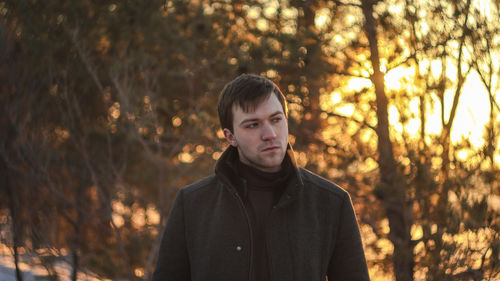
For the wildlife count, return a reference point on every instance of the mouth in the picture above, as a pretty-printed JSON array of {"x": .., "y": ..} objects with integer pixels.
[{"x": 270, "y": 148}]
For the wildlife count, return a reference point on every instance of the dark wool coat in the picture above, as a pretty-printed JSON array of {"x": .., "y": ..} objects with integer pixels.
[{"x": 312, "y": 232}]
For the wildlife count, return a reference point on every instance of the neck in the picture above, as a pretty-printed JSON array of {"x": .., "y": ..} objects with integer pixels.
[{"x": 258, "y": 178}]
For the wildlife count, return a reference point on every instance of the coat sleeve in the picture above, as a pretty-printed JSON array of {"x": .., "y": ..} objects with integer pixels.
[
  {"x": 348, "y": 260},
  {"x": 173, "y": 261}
]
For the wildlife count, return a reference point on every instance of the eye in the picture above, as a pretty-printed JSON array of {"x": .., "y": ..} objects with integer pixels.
[
  {"x": 277, "y": 119},
  {"x": 251, "y": 125}
]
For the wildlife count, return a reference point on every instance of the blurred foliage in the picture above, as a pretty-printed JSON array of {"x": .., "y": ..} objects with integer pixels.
[{"x": 109, "y": 107}]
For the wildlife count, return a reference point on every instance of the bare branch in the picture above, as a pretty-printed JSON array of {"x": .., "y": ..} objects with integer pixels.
[
  {"x": 364, "y": 123},
  {"x": 342, "y": 3},
  {"x": 85, "y": 59}
]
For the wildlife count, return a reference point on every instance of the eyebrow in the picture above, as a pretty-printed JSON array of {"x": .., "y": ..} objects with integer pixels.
[{"x": 279, "y": 112}]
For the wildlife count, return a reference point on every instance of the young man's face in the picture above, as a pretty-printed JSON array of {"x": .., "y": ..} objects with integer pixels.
[{"x": 261, "y": 136}]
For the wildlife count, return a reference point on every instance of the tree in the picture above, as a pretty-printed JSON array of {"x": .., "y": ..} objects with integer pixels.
[{"x": 110, "y": 108}]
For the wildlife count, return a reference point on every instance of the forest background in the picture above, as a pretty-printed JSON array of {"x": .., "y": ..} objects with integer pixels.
[{"x": 109, "y": 107}]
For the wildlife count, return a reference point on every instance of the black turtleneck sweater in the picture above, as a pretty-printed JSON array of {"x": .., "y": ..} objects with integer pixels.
[{"x": 263, "y": 191}]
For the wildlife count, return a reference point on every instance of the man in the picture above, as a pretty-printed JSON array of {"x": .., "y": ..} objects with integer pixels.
[{"x": 259, "y": 217}]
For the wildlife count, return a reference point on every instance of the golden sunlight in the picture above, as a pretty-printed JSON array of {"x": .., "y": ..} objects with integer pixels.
[
  {"x": 394, "y": 76},
  {"x": 322, "y": 18},
  {"x": 118, "y": 211},
  {"x": 472, "y": 112},
  {"x": 356, "y": 84}
]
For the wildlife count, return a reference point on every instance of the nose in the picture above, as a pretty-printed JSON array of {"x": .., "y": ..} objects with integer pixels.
[{"x": 268, "y": 132}]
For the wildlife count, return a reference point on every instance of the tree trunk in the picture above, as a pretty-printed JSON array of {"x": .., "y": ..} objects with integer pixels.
[
  {"x": 313, "y": 70},
  {"x": 74, "y": 272},
  {"x": 391, "y": 189},
  {"x": 74, "y": 255},
  {"x": 13, "y": 214}
]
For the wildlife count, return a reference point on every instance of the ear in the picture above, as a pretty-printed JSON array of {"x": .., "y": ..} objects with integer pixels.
[{"x": 230, "y": 137}]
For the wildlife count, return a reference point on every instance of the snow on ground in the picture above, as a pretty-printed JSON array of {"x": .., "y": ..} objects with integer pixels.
[
  {"x": 9, "y": 274},
  {"x": 34, "y": 272}
]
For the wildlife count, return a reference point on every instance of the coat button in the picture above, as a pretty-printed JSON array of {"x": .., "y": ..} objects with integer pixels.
[{"x": 238, "y": 248}]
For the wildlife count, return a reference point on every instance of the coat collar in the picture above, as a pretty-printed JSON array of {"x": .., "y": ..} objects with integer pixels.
[{"x": 226, "y": 169}]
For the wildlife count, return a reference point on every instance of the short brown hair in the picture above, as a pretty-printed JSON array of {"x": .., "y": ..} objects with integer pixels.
[{"x": 246, "y": 91}]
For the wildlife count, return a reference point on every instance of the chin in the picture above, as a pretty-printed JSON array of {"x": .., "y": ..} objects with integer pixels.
[{"x": 274, "y": 165}]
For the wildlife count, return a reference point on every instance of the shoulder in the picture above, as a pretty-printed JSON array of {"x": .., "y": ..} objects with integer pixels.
[
  {"x": 319, "y": 184},
  {"x": 199, "y": 185},
  {"x": 197, "y": 194}
]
